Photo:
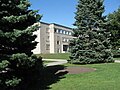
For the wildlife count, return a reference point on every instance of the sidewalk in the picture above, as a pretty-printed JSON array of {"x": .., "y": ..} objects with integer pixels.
[
  {"x": 55, "y": 62},
  {"x": 117, "y": 61}
]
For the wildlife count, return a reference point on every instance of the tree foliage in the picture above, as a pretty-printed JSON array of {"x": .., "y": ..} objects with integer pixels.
[
  {"x": 17, "y": 42},
  {"x": 114, "y": 27},
  {"x": 91, "y": 44}
]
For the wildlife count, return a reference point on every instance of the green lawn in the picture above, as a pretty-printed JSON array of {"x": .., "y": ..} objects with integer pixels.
[
  {"x": 55, "y": 56},
  {"x": 106, "y": 77},
  {"x": 59, "y": 56},
  {"x": 116, "y": 58}
]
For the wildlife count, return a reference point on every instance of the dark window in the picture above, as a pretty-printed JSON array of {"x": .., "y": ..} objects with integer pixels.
[
  {"x": 55, "y": 30},
  {"x": 65, "y": 47},
  {"x": 58, "y": 42}
]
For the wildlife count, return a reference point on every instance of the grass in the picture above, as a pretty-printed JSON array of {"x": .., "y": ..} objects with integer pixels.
[
  {"x": 55, "y": 56},
  {"x": 60, "y": 56},
  {"x": 106, "y": 77},
  {"x": 117, "y": 58}
]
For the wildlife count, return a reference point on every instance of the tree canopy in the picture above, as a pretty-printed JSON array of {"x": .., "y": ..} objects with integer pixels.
[
  {"x": 92, "y": 44},
  {"x": 17, "y": 24},
  {"x": 114, "y": 26}
]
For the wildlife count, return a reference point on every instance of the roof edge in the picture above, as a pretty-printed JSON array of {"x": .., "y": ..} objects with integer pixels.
[
  {"x": 55, "y": 24},
  {"x": 61, "y": 25},
  {"x": 44, "y": 23}
]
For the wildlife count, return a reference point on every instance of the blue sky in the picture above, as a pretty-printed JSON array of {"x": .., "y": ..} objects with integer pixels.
[{"x": 62, "y": 11}]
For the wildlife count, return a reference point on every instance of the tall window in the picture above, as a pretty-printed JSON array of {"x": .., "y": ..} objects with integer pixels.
[
  {"x": 61, "y": 31},
  {"x": 64, "y": 32},
  {"x": 58, "y": 42},
  {"x": 48, "y": 39},
  {"x": 70, "y": 33}
]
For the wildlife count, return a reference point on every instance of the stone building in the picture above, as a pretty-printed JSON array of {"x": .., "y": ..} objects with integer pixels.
[{"x": 52, "y": 38}]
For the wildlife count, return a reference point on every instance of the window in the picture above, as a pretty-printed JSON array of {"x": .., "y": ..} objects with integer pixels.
[
  {"x": 67, "y": 40},
  {"x": 66, "y": 32},
  {"x": 55, "y": 30},
  {"x": 48, "y": 38},
  {"x": 61, "y": 31},
  {"x": 63, "y": 39},
  {"x": 70, "y": 33},
  {"x": 58, "y": 42},
  {"x": 65, "y": 47},
  {"x": 47, "y": 47}
]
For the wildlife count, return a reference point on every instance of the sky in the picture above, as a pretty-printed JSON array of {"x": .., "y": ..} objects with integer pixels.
[{"x": 63, "y": 11}]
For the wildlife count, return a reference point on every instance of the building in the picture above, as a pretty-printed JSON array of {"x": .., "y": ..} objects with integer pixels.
[{"x": 52, "y": 38}]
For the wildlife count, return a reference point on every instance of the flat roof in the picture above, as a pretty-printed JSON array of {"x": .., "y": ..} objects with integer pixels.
[
  {"x": 44, "y": 23},
  {"x": 61, "y": 25},
  {"x": 56, "y": 25}
]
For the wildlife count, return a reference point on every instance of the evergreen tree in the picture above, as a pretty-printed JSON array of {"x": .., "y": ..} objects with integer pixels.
[
  {"x": 17, "y": 41},
  {"x": 114, "y": 27},
  {"x": 91, "y": 44}
]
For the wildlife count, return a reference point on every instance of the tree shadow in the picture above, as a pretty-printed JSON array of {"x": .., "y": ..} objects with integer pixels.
[
  {"x": 53, "y": 75},
  {"x": 48, "y": 76}
]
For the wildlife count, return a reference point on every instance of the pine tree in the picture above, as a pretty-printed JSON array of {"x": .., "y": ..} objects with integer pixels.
[
  {"x": 17, "y": 41},
  {"x": 91, "y": 44},
  {"x": 114, "y": 27}
]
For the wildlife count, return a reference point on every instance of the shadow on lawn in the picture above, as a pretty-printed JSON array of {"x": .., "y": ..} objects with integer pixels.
[{"x": 48, "y": 76}]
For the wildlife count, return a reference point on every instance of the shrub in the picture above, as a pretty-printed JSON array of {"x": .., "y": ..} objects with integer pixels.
[{"x": 19, "y": 69}]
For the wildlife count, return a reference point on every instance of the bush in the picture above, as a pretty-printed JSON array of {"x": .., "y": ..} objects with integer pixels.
[
  {"x": 116, "y": 53},
  {"x": 90, "y": 57},
  {"x": 19, "y": 69}
]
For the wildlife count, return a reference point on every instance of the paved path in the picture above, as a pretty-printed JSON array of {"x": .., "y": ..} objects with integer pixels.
[
  {"x": 117, "y": 61},
  {"x": 55, "y": 62}
]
